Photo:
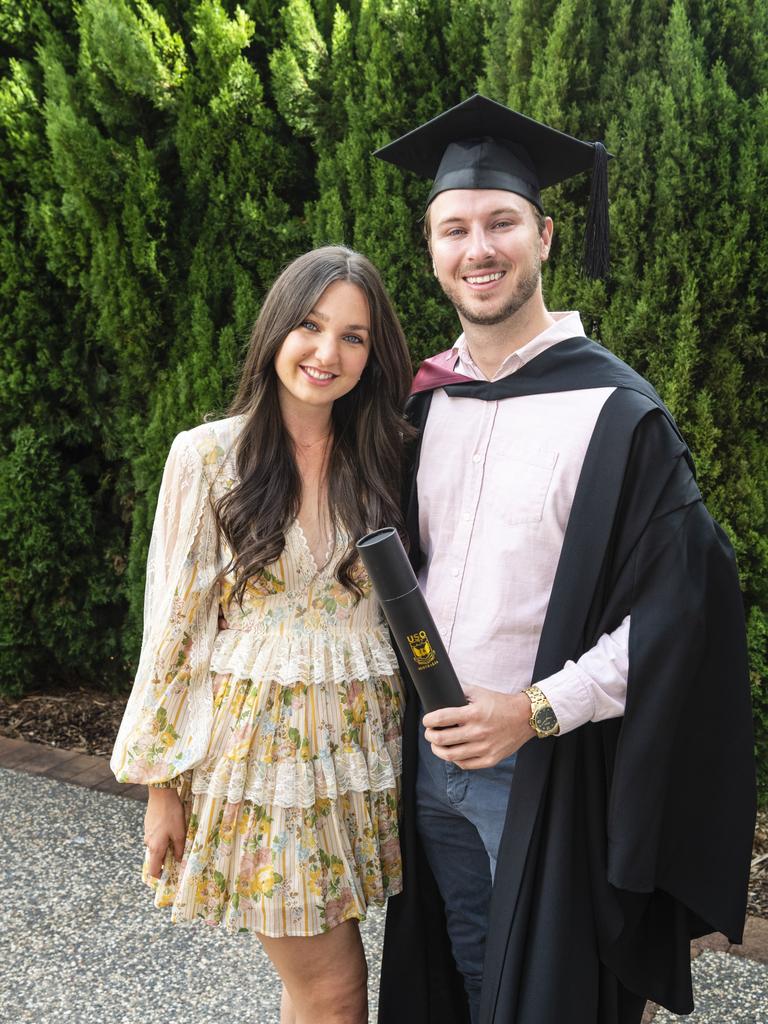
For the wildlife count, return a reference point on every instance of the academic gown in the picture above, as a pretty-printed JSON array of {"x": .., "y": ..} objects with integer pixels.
[{"x": 625, "y": 838}]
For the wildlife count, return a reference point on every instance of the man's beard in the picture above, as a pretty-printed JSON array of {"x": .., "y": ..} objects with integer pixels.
[{"x": 526, "y": 288}]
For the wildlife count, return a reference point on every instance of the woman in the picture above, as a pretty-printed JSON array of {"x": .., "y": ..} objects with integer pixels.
[{"x": 266, "y": 713}]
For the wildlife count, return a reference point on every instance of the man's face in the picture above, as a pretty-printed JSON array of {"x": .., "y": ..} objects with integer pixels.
[{"x": 487, "y": 252}]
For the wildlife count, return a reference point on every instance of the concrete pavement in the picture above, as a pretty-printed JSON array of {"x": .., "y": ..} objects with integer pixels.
[{"x": 82, "y": 942}]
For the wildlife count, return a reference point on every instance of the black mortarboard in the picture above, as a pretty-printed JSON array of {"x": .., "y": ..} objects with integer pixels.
[{"x": 483, "y": 144}]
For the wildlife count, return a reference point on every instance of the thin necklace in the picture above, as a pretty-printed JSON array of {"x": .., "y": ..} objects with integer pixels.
[{"x": 312, "y": 444}]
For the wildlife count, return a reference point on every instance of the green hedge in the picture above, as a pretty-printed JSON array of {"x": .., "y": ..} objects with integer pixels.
[{"x": 160, "y": 161}]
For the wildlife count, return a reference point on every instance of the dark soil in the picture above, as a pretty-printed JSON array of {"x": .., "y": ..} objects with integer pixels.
[
  {"x": 88, "y": 720},
  {"x": 82, "y": 720}
]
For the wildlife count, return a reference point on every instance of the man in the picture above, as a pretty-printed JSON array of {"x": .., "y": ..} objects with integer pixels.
[{"x": 591, "y": 808}]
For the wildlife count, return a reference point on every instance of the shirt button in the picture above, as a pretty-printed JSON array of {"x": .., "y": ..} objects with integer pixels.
[
  {"x": 476, "y": 458},
  {"x": 466, "y": 516},
  {"x": 454, "y": 572}
]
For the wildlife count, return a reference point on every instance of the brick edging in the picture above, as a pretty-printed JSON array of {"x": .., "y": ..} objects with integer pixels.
[{"x": 66, "y": 766}]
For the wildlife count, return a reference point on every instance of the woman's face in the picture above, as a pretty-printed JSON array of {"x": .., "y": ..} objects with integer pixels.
[{"x": 324, "y": 357}]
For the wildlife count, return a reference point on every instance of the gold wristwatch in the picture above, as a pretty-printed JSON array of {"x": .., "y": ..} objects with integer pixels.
[{"x": 543, "y": 719}]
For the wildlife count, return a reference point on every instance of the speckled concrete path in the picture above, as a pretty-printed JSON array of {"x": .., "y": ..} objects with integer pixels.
[
  {"x": 727, "y": 990},
  {"x": 81, "y": 942}
]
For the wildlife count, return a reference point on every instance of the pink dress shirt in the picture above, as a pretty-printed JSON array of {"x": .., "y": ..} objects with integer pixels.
[{"x": 496, "y": 483}]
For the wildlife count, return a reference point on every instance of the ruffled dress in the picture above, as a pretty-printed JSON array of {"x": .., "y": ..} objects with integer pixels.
[{"x": 281, "y": 732}]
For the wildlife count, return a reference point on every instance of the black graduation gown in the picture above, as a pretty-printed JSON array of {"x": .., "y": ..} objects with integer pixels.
[{"x": 623, "y": 839}]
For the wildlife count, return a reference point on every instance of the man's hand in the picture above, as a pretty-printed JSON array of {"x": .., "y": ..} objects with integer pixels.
[
  {"x": 488, "y": 729},
  {"x": 164, "y": 826}
]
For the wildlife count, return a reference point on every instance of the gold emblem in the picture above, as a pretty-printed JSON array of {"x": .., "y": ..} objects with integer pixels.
[{"x": 421, "y": 648}]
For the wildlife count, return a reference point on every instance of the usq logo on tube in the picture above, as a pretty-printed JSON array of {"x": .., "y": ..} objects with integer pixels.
[{"x": 421, "y": 648}]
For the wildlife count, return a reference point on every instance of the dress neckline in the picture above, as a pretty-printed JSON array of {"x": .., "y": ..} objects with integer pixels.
[{"x": 307, "y": 550}]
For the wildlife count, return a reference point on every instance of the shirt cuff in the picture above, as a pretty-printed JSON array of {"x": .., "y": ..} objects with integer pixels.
[{"x": 569, "y": 692}]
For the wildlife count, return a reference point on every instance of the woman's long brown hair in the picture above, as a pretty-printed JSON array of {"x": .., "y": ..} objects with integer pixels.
[{"x": 365, "y": 462}]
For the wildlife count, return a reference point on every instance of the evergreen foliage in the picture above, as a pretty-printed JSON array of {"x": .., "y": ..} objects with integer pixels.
[
  {"x": 146, "y": 207},
  {"x": 383, "y": 68},
  {"x": 60, "y": 549},
  {"x": 160, "y": 162}
]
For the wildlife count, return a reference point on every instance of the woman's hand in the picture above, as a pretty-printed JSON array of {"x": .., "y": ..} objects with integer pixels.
[{"x": 164, "y": 826}]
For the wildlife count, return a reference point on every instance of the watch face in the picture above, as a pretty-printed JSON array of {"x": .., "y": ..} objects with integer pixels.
[{"x": 545, "y": 719}]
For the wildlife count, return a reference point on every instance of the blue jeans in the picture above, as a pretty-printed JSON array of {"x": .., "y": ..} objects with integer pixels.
[{"x": 460, "y": 816}]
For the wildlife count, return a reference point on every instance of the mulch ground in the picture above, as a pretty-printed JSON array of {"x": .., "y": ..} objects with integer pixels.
[
  {"x": 88, "y": 720},
  {"x": 82, "y": 720}
]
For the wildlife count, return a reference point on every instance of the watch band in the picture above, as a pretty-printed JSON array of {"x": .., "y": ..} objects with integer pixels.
[{"x": 543, "y": 719}]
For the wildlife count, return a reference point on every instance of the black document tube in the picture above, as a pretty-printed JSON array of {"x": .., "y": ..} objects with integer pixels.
[{"x": 412, "y": 625}]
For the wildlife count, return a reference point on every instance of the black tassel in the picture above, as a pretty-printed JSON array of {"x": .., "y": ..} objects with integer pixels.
[{"x": 597, "y": 241}]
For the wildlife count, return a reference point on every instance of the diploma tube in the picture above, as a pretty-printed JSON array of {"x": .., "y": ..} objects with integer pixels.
[{"x": 413, "y": 628}]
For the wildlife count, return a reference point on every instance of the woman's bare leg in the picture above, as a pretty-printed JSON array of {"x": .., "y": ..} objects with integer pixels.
[
  {"x": 324, "y": 976},
  {"x": 287, "y": 1012}
]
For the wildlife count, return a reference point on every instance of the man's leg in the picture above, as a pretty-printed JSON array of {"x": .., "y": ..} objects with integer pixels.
[{"x": 460, "y": 816}]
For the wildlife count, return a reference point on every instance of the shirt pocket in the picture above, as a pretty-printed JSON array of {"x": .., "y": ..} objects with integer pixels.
[{"x": 519, "y": 482}]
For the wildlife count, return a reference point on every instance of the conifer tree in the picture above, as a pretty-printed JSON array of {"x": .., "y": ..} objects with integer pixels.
[
  {"x": 384, "y": 68},
  {"x": 60, "y": 549},
  {"x": 235, "y": 231},
  {"x": 157, "y": 212}
]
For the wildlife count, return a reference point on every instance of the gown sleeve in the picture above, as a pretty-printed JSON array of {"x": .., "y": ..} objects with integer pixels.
[{"x": 166, "y": 727}]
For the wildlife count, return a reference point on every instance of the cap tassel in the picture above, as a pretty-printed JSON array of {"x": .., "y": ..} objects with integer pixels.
[{"x": 597, "y": 240}]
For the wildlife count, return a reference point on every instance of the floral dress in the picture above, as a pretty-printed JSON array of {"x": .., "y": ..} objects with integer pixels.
[{"x": 281, "y": 732}]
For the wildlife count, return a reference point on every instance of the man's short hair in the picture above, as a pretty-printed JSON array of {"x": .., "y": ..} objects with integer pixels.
[{"x": 538, "y": 216}]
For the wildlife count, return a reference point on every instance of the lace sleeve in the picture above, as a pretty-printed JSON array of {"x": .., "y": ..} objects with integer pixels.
[{"x": 166, "y": 726}]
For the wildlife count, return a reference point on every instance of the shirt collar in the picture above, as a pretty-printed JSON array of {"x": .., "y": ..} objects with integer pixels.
[{"x": 566, "y": 325}]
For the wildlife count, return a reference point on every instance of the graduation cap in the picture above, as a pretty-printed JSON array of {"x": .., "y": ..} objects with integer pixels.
[{"x": 483, "y": 144}]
